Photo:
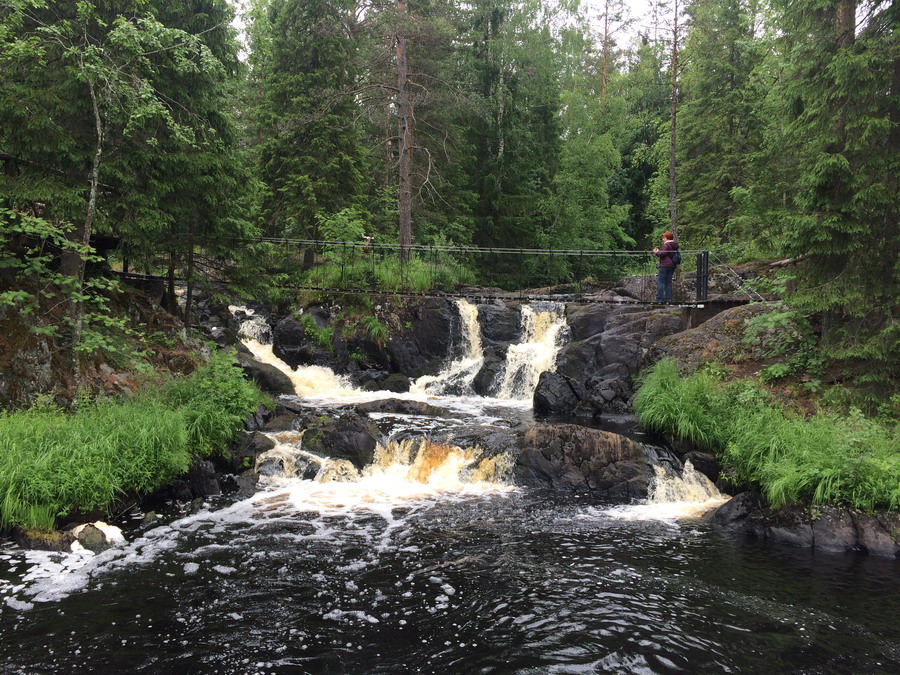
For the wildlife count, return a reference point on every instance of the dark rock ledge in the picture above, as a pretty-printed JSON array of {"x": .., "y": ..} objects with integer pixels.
[{"x": 827, "y": 528}]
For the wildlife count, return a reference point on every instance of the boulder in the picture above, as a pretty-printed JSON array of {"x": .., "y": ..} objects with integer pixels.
[
  {"x": 500, "y": 322},
  {"x": 426, "y": 344},
  {"x": 258, "y": 419},
  {"x": 733, "y": 513},
  {"x": 285, "y": 422},
  {"x": 250, "y": 448},
  {"x": 400, "y": 407},
  {"x": 557, "y": 394},
  {"x": 397, "y": 383},
  {"x": 489, "y": 377},
  {"x": 267, "y": 377},
  {"x": 291, "y": 344},
  {"x": 351, "y": 437},
  {"x": 571, "y": 458},
  {"x": 878, "y": 534}
]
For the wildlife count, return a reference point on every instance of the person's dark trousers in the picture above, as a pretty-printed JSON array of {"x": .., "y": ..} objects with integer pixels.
[{"x": 664, "y": 284}]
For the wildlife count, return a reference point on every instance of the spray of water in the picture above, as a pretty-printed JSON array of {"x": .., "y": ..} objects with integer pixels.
[
  {"x": 458, "y": 376},
  {"x": 543, "y": 332}
]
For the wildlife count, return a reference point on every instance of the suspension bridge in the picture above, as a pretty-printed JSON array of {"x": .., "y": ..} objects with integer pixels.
[{"x": 474, "y": 273}]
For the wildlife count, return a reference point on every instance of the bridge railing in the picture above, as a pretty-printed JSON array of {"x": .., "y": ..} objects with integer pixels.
[{"x": 371, "y": 267}]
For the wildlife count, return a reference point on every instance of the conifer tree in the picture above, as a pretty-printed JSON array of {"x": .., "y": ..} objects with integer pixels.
[
  {"x": 829, "y": 175},
  {"x": 311, "y": 159}
]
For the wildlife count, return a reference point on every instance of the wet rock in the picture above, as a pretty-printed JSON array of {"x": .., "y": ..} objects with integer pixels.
[
  {"x": 351, "y": 437},
  {"x": 258, "y": 419},
  {"x": 202, "y": 479},
  {"x": 425, "y": 346},
  {"x": 400, "y": 407},
  {"x": 572, "y": 458},
  {"x": 267, "y": 377},
  {"x": 397, "y": 383},
  {"x": 285, "y": 422},
  {"x": 34, "y": 540},
  {"x": 827, "y": 528},
  {"x": 291, "y": 344},
  {"x": 734, "y": 512},
  {"x": 287, "y": 406},
  {"x": 92, "y": 538},
  {"x": 557, "y": 394},
  {"x": 789, "y": 526},
  {"x": 499, "y": 322},
  {"x": 834, "y": 530},
  {"x": 878, "y": 535},
  {"x": 487, "y": 381},
  {"x": 703, "y": 462}
]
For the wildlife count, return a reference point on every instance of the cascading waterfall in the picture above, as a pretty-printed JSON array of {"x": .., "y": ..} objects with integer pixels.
[
  {"x": 543, "y": 333},
  {"x": 458, "y": 376},
  {"x": 408, "y": 467}
]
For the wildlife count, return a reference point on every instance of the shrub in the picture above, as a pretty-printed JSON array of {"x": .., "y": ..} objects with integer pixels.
[
  {"x": 823, "y": 459},
  {"x": 53, "y": 463}
]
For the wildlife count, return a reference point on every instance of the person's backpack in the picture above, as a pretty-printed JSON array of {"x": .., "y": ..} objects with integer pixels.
[{"x": 676, "y": 258}]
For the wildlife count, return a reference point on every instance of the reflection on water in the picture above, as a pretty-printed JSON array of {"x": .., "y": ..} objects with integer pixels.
[
  {"x": 429, "y": 562},
  {"x": 311, "y": 577}
]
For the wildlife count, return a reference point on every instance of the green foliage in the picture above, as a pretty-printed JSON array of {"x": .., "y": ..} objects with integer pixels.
[
  {"x": 322, "y": 336},
  {"x": 786, "y": 333},
  {"x": 52, "y": 463},
  {"x": 823, "y": 459},
  {"x": 376, "y": 330}
]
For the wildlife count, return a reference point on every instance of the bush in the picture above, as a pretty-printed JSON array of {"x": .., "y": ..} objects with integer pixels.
[
  {"x": 53, "y": 463},
  {"x": 824, "y": 459}
]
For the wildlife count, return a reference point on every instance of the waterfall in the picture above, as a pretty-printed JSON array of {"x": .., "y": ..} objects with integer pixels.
[
  {"x": 412, "y": 467},
  {"x": 457, "y": 378},
  {"x": 254, "y": 327},
  {"x": 542, "y": 335},
  {"x": 674, "y": 493}
]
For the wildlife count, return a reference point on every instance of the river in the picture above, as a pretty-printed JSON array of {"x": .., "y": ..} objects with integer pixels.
[{"x": 431, "y": 562}]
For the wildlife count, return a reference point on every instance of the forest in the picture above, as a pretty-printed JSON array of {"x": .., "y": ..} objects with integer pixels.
[{"x": 185, "y": 131}]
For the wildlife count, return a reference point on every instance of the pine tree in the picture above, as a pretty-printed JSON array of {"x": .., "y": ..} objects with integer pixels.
[
  {"x": 719, "y": 129},
  {"x": 312, "y": 162},
  {"x": 829, "y": 175}
]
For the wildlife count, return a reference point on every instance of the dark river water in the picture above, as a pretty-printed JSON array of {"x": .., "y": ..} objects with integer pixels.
[
  {"x": 484, "y": 581},
  {"x": 412, "y": 570}
]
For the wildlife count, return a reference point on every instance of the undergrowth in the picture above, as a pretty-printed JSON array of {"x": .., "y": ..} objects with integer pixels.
[
  {"x": 821, "y": 459},
  {"x": 53, "y": 463}
]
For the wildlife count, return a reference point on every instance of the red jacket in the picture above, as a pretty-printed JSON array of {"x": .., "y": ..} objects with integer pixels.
[{"x": 665, "y": 253}]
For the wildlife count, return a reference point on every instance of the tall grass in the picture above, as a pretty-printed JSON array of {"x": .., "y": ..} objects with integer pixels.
[
  {"x": 53, "y": 463},
  {"x": 824, "y": 459}
]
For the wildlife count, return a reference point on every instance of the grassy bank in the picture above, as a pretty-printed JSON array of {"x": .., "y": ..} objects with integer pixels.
[
  {"x": 53, "y": 463},
  {"x": 818, "y": 459}
]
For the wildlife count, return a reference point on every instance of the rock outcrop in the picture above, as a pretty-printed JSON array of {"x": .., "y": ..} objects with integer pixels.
[
  {"x": 572, "y": 458},
  {"x": 827, "y": 528}
]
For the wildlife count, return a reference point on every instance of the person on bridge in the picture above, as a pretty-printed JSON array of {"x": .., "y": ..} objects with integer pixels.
[{"x": 666, "y": 267}]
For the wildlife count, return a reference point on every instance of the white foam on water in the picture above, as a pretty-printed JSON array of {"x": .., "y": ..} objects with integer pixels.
[
  {"x": 673, "y": 498},
  {"x": 403, "y": 476},
  {"x": 543, "y": 333}
]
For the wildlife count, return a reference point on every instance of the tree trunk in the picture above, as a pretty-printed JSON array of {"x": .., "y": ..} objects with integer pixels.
[
  {"x": 172, "y": 304},
  {"x": 189, "y": 283},
  {"x": 673, "y": 211},
  {"x": 73, "y": 263},
  {"x": 406, "y": 139},
  {"x": 845, "y": 22}
]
